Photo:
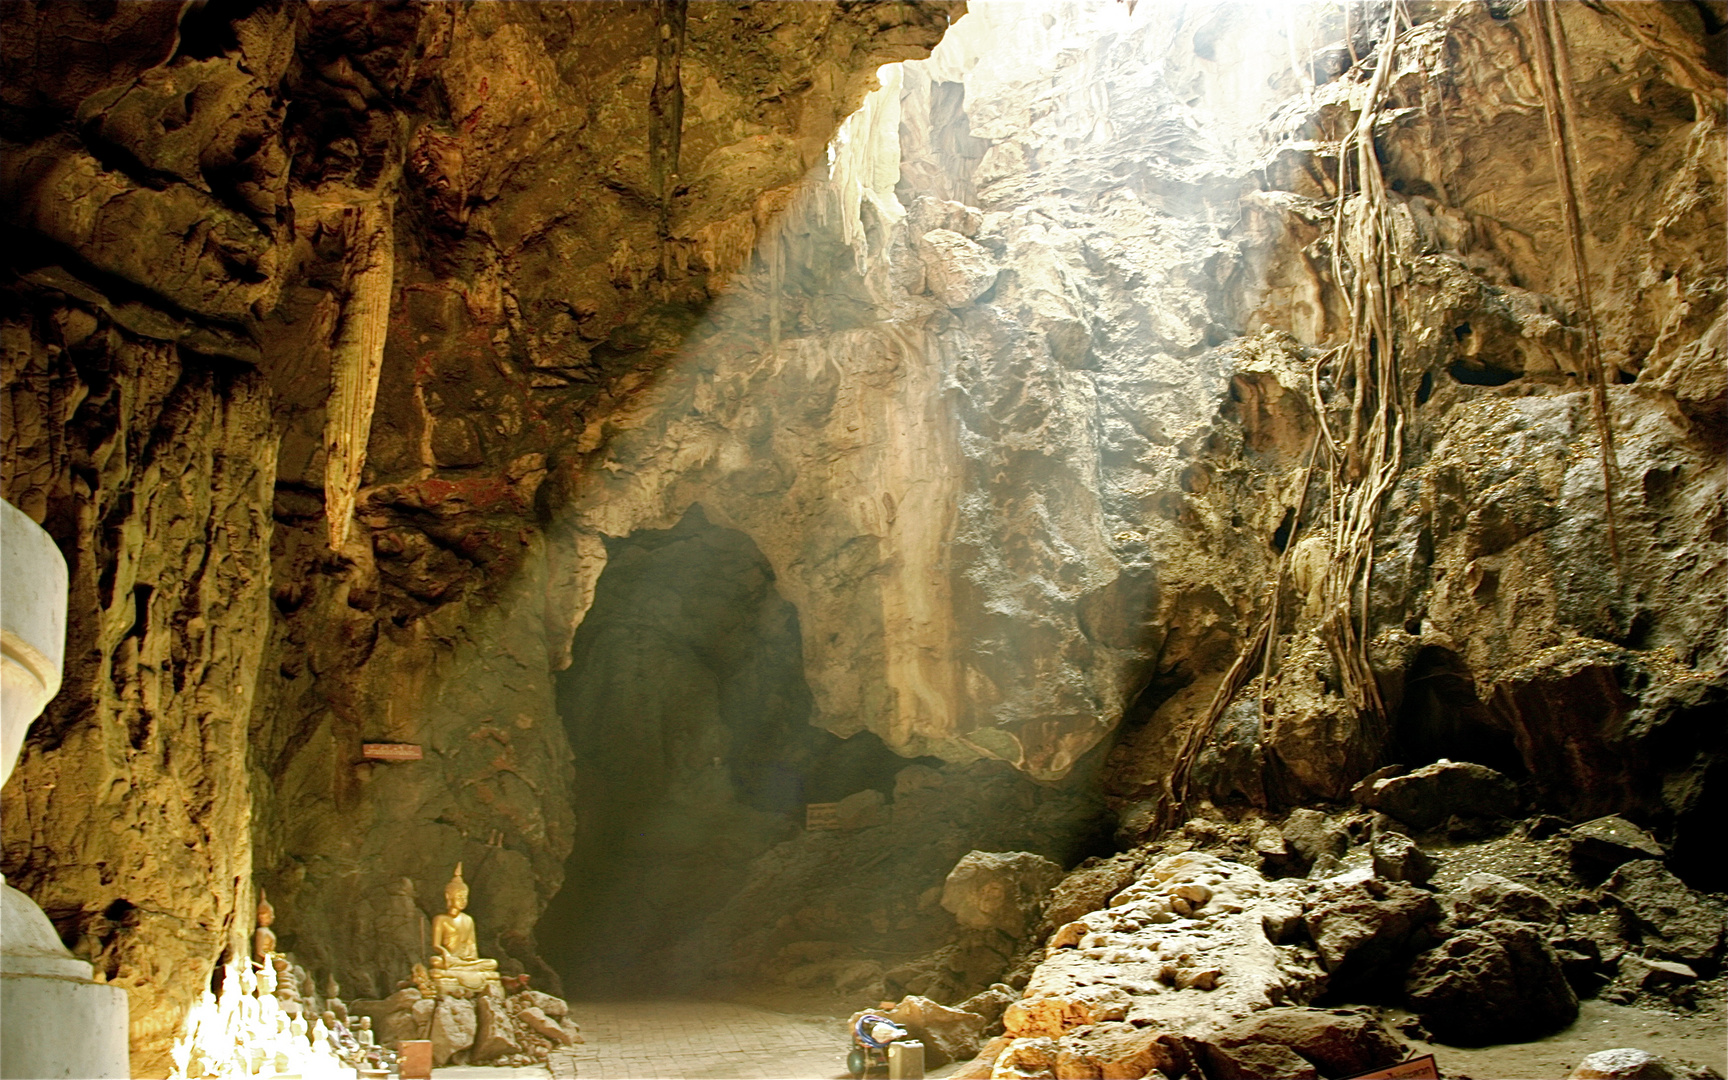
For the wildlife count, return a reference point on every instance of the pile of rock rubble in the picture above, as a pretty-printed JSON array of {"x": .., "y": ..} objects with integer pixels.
[
  {"x": 506, "y": 1026},
  {"x": 1261, "y": 948}
]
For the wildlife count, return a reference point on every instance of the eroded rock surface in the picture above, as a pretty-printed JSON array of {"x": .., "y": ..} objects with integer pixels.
[{"x": 302, "y": 302}]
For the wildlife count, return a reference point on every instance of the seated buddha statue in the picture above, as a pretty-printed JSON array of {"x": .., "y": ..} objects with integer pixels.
[{"x": 457, "y": 958}]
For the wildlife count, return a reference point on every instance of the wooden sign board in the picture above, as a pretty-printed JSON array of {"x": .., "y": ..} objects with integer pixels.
[
  {"x": 821, "y": 815},
  {"x": 414, "y": 1059},
  {"x": 1422, "y": 1068},
  {"x": 391, "y": 751}
]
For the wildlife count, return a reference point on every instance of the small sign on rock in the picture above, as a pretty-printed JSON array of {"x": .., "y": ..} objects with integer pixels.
[
  {"x": 821, "y": 815},
  {"x": 391, "y": 751},
  {"x": 1422, "y": 1068}
]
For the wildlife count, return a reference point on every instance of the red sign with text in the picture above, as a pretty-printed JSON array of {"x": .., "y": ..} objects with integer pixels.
[{"x": 391, "y": 751}]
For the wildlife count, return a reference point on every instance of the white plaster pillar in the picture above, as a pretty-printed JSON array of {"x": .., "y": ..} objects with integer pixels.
[{"x": 55, "y": 1020}]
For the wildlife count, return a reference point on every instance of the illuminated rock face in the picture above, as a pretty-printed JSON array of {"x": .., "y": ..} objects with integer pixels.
[{"x": 1026, "y": 456}]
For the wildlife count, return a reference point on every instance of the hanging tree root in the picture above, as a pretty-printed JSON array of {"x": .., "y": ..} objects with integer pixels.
[
  {"x": 1548, "y": 41},
  {"x": 1361, "y": 467}
]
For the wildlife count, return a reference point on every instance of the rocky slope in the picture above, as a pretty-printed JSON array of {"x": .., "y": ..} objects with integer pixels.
[{"x": 1331, "y": 944}]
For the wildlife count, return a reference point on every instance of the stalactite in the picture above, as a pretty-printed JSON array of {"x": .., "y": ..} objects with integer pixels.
[
  {"x": 357, "y": 358},
  {"x": 666, "y": 110}
]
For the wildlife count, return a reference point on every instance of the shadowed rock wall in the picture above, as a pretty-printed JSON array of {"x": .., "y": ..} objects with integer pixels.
[{"x": 305, "y": 303}]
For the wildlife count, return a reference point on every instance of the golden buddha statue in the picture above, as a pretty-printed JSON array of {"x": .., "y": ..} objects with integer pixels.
[
  {"x": 264, "y": 938},
  {"x": 457, "y": 961}
]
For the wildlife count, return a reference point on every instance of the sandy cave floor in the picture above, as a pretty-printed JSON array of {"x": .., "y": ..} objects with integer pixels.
[{"x": 697, "y": 1040}]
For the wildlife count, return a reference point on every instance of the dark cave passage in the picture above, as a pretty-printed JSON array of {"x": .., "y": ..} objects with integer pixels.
[
  {"x": 686, "y": 707},
  {"x": 1442, "y": 717}
]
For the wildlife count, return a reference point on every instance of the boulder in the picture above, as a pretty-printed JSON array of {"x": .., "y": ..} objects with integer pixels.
[
  {"x": 1581, "y": 960},
  {"x": 1641, "y": 973},
  {"x": 1499, "y": 982},
  {"x": 981, "y": 1067},
  {"x": 1003, "y": 891},
  {"x": 948, "y": 1034},
  {"x": 1257, "y": 1061},
  {"x": 1397, "y": 858},
  {"x": 1089, "y": 887},
  {"x": 1337, "y": 1042},
  {"x": 1363, "y": 928},
  {"x": 958, "y": 270},
  {"x": 1490, "y": 896},
  {"x": 1625, "y": 1063},
  {"x": 1313, "y": 835},
  {"x": 1055, "y": 1014},
  {"x": 1665, "y": 916},
  {"x": 411, "y": 1022},
  {"x": 989, "y": 1003},
  {"x": 536, "y": 1020},
  {"x": 1273, "y": 853},
  {"x": 862, "y": 810},
  {"x": 915, "y": 778},
  {"x": 1115, "y": 1049},
  {"x": 454, "y": 1025},
  {"x": 1027, "y": 1058},
  {"x": 494, "y": 1031},
  {"x": 1597, "y": 848},
  {"x": 1425, "y": 798},
  {"x": 554, "y": 1007}
]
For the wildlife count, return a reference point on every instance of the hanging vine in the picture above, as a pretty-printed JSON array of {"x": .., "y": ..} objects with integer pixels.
[
  {"x": 1359, "y": 442},
  {"x": 1548, "y": 40}
]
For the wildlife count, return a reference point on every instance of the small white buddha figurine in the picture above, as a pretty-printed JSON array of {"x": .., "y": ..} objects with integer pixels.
[
  {"x": 264, "y": 938},
  {"x": 287, "y": 985},
  {"x": 458, "y": 958}
]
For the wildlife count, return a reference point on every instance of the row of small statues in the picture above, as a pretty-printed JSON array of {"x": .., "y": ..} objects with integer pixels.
[
  {"x": 525, "y": 1028},
  {"x": 246, "y": 1031}
]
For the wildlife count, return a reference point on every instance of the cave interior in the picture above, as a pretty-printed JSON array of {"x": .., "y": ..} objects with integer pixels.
[{"x": 1181, "y": 539}]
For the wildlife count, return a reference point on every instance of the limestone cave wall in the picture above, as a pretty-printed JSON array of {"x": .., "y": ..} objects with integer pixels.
[
  {"x": 355, "y": 354},
  {"x": 1022, "y": 398},
  {"x": 306, "y": 306}
]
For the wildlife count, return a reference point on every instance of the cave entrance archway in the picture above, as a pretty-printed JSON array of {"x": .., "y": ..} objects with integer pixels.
[{"x": 687, "y": 710}]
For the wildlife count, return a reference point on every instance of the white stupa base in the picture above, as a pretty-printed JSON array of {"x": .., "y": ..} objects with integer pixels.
[{"x": 55, "y": 1021}]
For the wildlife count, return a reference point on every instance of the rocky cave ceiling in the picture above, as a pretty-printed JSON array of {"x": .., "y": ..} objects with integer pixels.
[{"x": 993, "y": 409}]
